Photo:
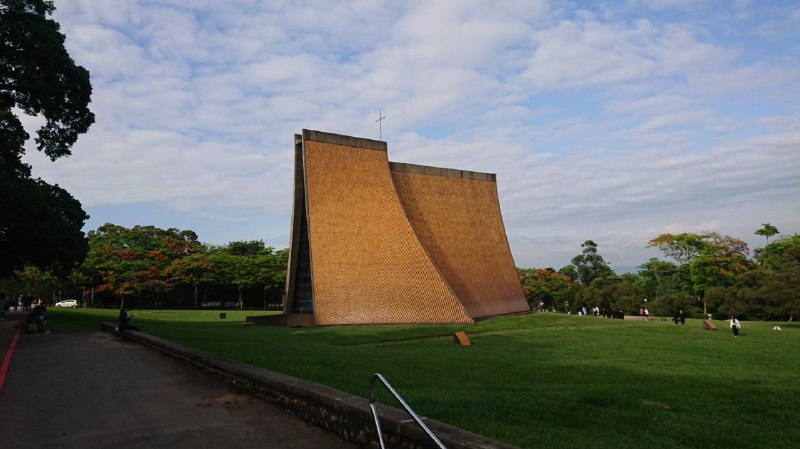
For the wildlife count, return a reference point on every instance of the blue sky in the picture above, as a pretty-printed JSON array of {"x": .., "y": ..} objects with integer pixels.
[{"x": 611, "y": 121}]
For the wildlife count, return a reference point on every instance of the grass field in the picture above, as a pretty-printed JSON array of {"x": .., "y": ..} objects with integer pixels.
[{"x": 535, "y": 381}]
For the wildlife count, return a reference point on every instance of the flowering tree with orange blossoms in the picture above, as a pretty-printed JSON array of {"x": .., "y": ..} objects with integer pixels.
[
  {"x": 542, "y": 285},
  {"x": 141, "y": 260}
]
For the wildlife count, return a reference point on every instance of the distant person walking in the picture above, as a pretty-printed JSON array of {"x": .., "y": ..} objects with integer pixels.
[
  {"x": 735, "y": 325},
  {"x": 123, "y": 321},
  {"x": 679, "y": 317}
]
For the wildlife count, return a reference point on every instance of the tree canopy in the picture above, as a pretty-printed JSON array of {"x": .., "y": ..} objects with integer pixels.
[
  {"x": 38, "y": 76},
  {"x": 719, "y": 262},
  {"x": 153, "y": 266},
  {"x": 714, "y": 273},
  {"x": 40, "y": 224},
  {"x": 139, "y": 260},
  {"x": 772, "y": 256},
  {"x": 543, "y": 285},
  {"x": 767, "y": 231},
  {"x": 681, "y": 247},
  {"x": 590, "y": 265}
]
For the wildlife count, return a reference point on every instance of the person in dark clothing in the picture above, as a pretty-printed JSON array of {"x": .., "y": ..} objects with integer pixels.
[
  {"x": 123, "y": 321},
  {"x": 36, "y": 316},
  {"x": 679, "y": 317},
  {"x": 26, "y": 302}
]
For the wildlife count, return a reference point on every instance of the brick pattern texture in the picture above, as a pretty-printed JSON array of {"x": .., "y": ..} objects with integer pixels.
[
  {"x": 458, "y": 222},
  {"x": 368, "y": 267}
]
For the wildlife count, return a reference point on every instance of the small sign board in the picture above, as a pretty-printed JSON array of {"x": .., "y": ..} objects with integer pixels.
[{"x": 461, "y": 338}]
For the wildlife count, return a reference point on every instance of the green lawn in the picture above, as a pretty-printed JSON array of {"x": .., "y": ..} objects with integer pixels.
[{"x": 536, "y": 381}]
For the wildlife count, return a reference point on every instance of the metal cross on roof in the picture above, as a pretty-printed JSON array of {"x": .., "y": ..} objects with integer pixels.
[{"x": 380, "y": 125}]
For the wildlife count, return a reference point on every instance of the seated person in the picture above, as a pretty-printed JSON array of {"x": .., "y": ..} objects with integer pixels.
[{"x": 123, "y": 321}]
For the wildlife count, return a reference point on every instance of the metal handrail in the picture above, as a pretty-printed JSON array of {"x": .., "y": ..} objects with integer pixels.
[{"x": 373, "y": 406}]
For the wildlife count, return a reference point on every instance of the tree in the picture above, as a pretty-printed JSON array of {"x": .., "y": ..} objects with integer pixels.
[
  {"x": 681, "y": 247},
  {"x": 591, "y": 297},
  {"x": 771, "y": 256},
  {"x": 773, "y": 289},
  {"x": 590, "y": 265},
  {"x": 713, "y": 260},
  {"x": 246, "y": 273},
  {"x": 545, "y": 285},
  {"x": 658, "y": 278},
  {"x": 569, "y": 271},
  {"x": 621, "y": 294},
  {"x": 275, "y": 265},
  {"x": 767, "y": 231},
  {"x": 785, "y": 284},
  {"x": 245, "y": 248},
  {"x": 39, "y": 223},
  {"x": 38, "y": 76},
  {"x": 721, "y": 259},
  {"x": 669, "y": 304},
  {"x": 192, "y": 270},
  {"x": 256, "y": 265},
  {"x": 141, "y": 260},
  {"x": 39, "y": 283}
]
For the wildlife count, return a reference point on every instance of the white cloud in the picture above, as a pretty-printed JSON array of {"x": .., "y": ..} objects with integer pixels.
[{"x": 612, "y": 124}]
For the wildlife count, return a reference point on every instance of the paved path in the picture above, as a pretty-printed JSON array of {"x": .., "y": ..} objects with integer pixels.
[{"x": 94, "y": 390}]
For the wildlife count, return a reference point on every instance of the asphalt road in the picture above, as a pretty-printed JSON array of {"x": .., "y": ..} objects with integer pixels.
[{"x": 94, "y": 390}]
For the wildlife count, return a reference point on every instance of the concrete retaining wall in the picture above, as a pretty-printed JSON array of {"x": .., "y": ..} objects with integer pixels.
[{"x": 347, "y": 415}]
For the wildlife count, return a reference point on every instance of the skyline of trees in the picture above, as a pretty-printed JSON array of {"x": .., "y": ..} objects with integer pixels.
[
  {"x": 153, "y": 267},
  {"x": 701, "y": 273},
  {"x": 711, "y": 273}
]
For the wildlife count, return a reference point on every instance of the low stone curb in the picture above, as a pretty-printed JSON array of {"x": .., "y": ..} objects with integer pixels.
[{"x": 342, "y": 413}]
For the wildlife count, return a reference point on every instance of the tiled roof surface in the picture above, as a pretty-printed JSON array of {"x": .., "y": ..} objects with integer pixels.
[
  {"x": 368, "y": 266},
  {"x": 456, "y": 216}
]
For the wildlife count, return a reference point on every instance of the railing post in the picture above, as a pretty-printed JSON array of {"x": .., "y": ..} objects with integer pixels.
[{"x": 374, "y": 407}]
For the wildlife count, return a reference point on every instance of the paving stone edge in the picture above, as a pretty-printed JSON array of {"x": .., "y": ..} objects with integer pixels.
[{"x": 342, "y": 413}]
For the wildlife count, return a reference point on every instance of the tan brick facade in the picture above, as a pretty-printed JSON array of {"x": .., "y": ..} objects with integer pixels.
[
  {"x": 458, "y": 222},
  {"x": 391, "y": 244}
]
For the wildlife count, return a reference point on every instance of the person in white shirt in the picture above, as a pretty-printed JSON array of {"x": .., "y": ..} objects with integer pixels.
[{"x": 735, "y": 325}]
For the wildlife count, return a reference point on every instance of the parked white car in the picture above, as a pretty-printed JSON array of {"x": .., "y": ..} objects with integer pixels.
[{"x": 67, "y": 303}]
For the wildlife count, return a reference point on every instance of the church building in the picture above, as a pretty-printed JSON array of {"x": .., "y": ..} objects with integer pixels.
[{"x": 379, "y": 242}]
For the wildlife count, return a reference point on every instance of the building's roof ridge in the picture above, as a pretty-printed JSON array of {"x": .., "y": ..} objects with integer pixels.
[
  {"x": 402, "y": 167},
  {"x": 339, "y": 139}
]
